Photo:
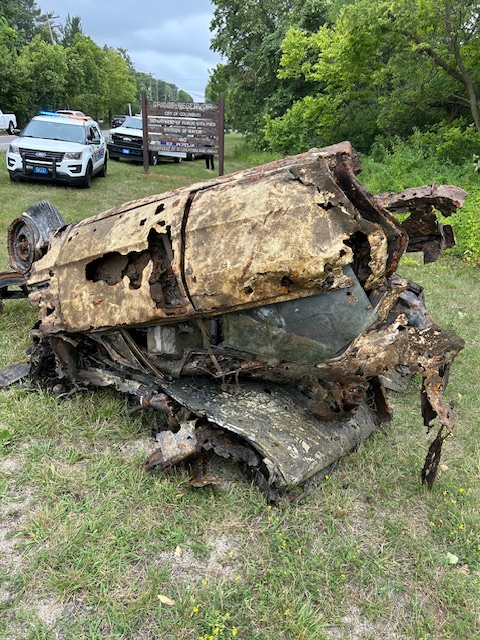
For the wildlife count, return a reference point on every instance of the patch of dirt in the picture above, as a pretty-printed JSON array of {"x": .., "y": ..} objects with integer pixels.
[
  {"x": 10, "y": 465},
  {"x": 49, "y": 612},
  {"x": 14, "y": 504},
  {"x": 355, "y": 627},
  {"x": 186, "y": 566},
  {"x": 144, "y": 446}
]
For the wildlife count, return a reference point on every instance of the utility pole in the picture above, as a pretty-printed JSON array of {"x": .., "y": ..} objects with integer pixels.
[{"x": 50, "y": 29}]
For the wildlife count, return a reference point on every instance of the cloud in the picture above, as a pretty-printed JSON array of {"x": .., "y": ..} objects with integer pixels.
[{"x": 170, "y": 40}]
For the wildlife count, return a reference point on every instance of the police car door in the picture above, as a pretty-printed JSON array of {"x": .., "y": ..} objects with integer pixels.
[{"x": 98, "y": 147}]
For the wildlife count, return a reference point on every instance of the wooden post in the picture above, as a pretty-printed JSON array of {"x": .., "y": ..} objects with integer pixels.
[
  {"x": 146, "y": 162},
  {"x": 221, "y": 135}
]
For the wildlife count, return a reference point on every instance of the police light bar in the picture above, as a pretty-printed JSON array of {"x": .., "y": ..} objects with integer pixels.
[{"x": 63, "y": 115}]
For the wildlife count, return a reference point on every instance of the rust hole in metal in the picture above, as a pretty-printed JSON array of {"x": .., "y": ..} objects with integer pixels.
[
  {"x": 163, "y": 283},
  {"x": 286, "y": 281},
  {"x": 109, "y": 268},
  {"x": 358, "y": 242},
  {"x": 113, "y": 267},
  {"x": 327, "y": 206}
]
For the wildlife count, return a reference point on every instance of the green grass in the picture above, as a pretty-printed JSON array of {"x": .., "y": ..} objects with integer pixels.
[{"x": 88, "y": 541}]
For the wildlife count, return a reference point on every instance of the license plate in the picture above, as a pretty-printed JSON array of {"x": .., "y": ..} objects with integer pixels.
[
  {"x": 125, "y": 150},
  {"x": 43, "y": 170}
]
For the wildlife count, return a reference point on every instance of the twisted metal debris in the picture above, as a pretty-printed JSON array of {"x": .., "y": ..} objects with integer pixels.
[{"x": 260, "y": 313}]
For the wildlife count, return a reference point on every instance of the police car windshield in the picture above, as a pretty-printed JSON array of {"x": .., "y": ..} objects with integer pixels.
[
  {"x": 133, "y": 123},
  {"x": 58, "y": 130}
]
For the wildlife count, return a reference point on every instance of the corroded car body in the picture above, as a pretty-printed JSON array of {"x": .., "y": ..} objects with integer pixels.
[{"x": 260, "y": 311}]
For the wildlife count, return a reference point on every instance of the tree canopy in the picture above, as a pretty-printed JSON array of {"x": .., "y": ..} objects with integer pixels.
[
  {"x": 298, "y": 74},
  {"x": 249, "y": 35},
  {"x": 47, "y": 66},
  {"x": 384, "y": 68}
]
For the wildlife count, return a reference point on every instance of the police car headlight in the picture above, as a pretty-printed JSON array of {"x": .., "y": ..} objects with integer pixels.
[
  {"x": 73, "y": 156},
  {"x": 13, "y": 149}
]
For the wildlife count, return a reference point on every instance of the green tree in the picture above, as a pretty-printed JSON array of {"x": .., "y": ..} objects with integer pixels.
[
  {"x": 88, "y": 77},
  {"x": 43, "y": 69},
  {"x": 22, "y": 15},
  {"x": 73, "y": 25},
  {"x": 249, "y": 34},
  {"x": 120, "y": 88},
  {"x": 446, "y": 32},
  {"x": 219, "y": 82},
  {"x": 183, "y": 96},
  {"x": 383, "y": 68},
  {"x": 10, "y": 86}
]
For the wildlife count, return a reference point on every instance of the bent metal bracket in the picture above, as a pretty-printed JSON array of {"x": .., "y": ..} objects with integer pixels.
[{"x": 259, "y": 313}]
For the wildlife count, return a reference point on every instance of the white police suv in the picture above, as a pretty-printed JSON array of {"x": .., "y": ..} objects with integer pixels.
[{"x": 60, "y": 148}]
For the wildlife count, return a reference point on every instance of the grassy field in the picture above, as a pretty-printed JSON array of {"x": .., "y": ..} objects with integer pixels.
[{"x": 91, "y": 547}]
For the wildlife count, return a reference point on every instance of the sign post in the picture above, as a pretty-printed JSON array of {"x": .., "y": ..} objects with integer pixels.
[
  {"x": 221, "y": 135},
  {"x": 146, "y": 159}
]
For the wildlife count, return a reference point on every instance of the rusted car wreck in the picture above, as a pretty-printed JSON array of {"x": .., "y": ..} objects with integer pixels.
[{"x": 260, "y": 312}]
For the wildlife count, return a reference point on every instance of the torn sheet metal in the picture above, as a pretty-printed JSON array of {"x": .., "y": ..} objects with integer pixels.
[
  {"x": 293, "y": 443},
  {"x": 12, "y": 375},
  {"x": 425, "y": 231},
  {"x": 13, "y": 286},
  {"x": 259, "y": 312}
]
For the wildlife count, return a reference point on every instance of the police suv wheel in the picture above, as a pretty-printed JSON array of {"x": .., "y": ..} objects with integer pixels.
[
  {"x": 87, "y": 181},
  {"x": 103, "y": 170}
]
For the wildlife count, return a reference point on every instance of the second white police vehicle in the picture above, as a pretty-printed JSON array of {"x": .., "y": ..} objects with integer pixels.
[{"x": 58, "y": 147}]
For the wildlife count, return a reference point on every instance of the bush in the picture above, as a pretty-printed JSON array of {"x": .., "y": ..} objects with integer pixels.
[{"x": 454, "y": 143}]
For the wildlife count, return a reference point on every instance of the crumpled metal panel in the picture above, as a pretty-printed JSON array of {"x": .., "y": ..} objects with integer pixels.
[
  {"x": 283, "y": 233},
  {"x": 278, "y": 232},
  {"x": 425, "y": 232},
  {"x": 446, "y": 198},
  {"x": 177, "y": 446},
  {"x": 294, "y": 444},
  {"x": 143, "y": 296},
  {"x": 13, "y": 374}
]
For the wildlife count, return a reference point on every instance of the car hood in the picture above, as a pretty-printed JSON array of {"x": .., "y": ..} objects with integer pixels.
[
  {"x": 127, "y": 131},
  {"x": 41, "y": 144}
]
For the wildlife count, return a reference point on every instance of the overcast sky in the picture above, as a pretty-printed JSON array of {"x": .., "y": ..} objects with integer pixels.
[{"x": 168, "y": 38}]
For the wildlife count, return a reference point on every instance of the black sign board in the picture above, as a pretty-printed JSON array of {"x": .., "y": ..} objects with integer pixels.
[{"x": 188, "y": 127}]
